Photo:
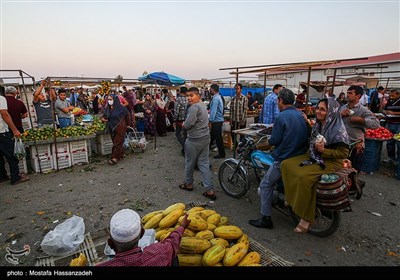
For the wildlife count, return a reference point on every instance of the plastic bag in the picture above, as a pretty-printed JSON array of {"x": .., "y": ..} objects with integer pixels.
[
  {"x": 65, "y": 238},
  {"x": 19, "y": 149},
  {"x": 127, "y": 142},
  {"x": 168, "y": 123}
]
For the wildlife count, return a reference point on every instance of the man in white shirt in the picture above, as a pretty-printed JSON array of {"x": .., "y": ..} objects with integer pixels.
[
  {"x": 364, "y": 100},
  {"x": 7, "y": 146}
]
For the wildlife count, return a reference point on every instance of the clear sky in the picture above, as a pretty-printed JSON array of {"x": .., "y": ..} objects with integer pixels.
[{"x": 190, "y": 39}]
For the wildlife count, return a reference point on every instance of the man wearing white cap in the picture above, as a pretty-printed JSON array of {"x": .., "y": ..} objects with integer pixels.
[{"x": 126, "y": 230}]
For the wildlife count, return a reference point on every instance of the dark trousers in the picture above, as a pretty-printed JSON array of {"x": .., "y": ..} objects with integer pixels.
[
  {"x": 178, "y": 133},
  {"x": 391, "y": 144},
  {"x": 357, "y": 158},
  {"x": 216, "y": 134},
  {"x": 234, "y": 126},
  {"x": 7, "y": 150}
]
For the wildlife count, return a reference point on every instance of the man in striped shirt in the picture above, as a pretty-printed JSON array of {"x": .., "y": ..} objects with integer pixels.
[{"x": 238, "y": 110}]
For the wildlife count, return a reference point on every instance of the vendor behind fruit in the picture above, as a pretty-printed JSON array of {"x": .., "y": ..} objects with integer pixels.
[
  {"x": 42, "y": 104},
  {"x": 393, "y": 124},
  {"x": 63, "y": 108},
  {"x": 357, "y": 118},
  {"x": 125, "y": 232}
]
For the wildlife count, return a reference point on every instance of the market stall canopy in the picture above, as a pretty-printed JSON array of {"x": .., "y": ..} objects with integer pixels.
[
  {"x": 162, "y": 78},
  {"x": 320, "y": 86},
  {"x": 360, "y": 80}
]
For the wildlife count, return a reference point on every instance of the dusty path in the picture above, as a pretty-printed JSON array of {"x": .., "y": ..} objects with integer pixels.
[{"x": 148, "y": 181}]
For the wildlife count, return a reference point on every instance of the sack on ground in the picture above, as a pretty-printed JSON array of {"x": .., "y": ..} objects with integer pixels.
[
  {"x": 333, "y": 192},
  {"x": 65, "y": 238}
]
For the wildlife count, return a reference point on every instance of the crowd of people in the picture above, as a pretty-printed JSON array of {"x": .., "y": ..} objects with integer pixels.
[{"x": 302, "y": 152}]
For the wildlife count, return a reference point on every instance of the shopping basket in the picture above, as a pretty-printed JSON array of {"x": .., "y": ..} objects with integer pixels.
[{"x": 135, "y": 139}]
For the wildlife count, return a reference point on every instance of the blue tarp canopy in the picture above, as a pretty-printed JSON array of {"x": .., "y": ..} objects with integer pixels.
[
  {"x": 231, "y": 91},
  {"x": 162, "y": 78}
]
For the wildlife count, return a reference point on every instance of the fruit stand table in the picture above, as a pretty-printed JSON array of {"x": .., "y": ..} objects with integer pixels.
[
  {"x": 46, "y": 155},
  {"x": 254, "y": 131},
  {"x": 374, "y": 139}
]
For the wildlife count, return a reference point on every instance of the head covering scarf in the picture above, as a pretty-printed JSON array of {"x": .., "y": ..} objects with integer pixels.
[
  {"x": 333, "y": 131},
  {"x": 116, "y": 114}
]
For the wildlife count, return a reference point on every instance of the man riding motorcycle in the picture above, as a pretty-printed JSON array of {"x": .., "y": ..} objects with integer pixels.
[{"x": 290, "y": 138}]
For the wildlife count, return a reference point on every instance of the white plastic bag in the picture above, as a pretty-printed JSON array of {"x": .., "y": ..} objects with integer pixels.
[
  {"x": 65, "y": 238},
  {"x": 19, "y": 149},
  {"x": 167, "y": 122}
]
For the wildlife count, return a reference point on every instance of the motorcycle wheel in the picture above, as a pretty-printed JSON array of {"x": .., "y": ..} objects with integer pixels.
[
  {"x": 232, "y": 179},
  {"x": 326, "y": 222}
]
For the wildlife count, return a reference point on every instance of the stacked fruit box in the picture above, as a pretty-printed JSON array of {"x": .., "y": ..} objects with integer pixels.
[
  {"x": 79, "y": 152},
  {"x": 41, "y": 157},
  {"x": 61, "y": 155},
  {"x": 104, "y": 144},
  {"x": 22, "y": 164}
]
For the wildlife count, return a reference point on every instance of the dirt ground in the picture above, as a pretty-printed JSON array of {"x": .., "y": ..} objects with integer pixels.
[{"x": 368, "y": 236}]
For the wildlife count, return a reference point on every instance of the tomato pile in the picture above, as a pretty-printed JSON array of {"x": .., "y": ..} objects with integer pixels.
[{"x": 378, "y": 133}]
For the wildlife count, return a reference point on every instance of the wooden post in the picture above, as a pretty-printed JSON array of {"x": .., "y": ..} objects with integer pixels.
[
  {"x": 237, "y": 75},
  {"x": 334, "y": 80},
  {"x": 265, "y": 82},
  {"x": 308, "y": 87}
]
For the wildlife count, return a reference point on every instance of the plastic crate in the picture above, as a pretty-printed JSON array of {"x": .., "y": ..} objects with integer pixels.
[
  {"x": 104, "y": 139},
  {"x": 104, "y": 144},
  {"x": 79, "y": 151},
  {"x": 46, "y": 163},
  {"x": 104, "y": 149},
  {"x": 79, "y": 157},
  {"x": 22, "y": 164},
  {"x": 78, "y": 146},
  {"x": 43, "y": 150},
  {"x": 62, "y": 148},
  {"x": 64, "y": 160},
  {"x": 372, "y": 155}
]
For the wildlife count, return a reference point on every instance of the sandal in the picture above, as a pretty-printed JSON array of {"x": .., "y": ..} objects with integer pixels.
[
  {"x": 113, "y": 161},
  {"x": 185, "y": 187},
  {"x": 210, "y": 196},
  {"x": 300, "y": 229}
]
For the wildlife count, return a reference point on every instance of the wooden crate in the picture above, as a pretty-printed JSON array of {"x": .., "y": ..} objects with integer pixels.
[{"x": 226, "y": 137}]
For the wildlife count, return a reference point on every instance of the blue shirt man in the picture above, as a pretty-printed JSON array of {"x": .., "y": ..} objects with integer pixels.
[
  {"x": 290, "y": 138},
  {"x": 73, "y": 97},
  {"x": 216, "y": 120},
  {"x": 270, "y": 108}
]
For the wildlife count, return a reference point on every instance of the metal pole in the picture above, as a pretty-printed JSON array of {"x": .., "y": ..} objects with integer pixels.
[
  {"x": 334, "y": 80},
  {"x": 54, "y": 123},
  {"x": 237, "y": 75},
  {"x": 308, "y": 87},
  {"x": 265, "y": 82},
  {"x": 387, "y": 83},
  {"x": 30, "y": 115}
]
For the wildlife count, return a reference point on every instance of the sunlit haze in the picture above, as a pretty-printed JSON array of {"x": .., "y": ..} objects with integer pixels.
[{"x": 190, "y": 39}]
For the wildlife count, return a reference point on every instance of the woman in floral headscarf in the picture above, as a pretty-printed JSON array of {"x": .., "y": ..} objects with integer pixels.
[
  {"x": 118, "y": 120},
  {"x": 329, "y": 146},
  {"x": 149, "y": 107}
]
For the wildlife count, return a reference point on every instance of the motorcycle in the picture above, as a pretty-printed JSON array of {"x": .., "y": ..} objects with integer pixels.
[{"x": 234, "y": 178}]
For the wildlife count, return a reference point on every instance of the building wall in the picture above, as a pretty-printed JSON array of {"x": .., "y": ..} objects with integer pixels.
[{"x": 292, "y": 80}]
